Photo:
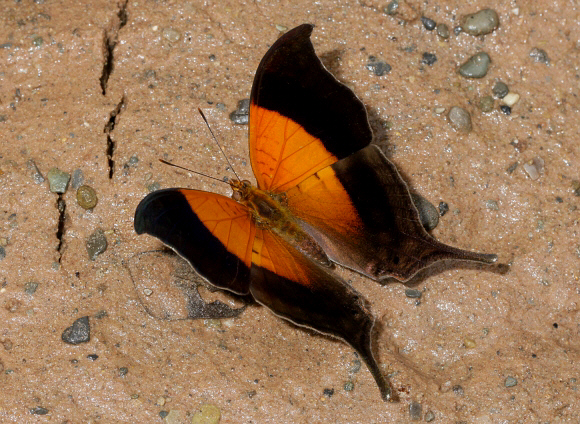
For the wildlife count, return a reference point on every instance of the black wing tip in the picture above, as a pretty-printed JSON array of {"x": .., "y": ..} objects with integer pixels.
[
  {"x": 146, "y": 208},
  {"x": 304, "y": 30}
]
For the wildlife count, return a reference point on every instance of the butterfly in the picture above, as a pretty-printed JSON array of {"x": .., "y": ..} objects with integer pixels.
[{"x": 325, "y": 195}]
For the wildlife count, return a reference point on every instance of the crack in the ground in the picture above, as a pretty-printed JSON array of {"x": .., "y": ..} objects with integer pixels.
[
  {"x": 111, "y": 38},
  {"x": 109, "y": 127},
  {"x": 61, "y": 206}
]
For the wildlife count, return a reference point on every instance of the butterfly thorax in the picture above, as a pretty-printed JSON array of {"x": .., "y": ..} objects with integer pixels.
[{"x": 269, "y": 211}]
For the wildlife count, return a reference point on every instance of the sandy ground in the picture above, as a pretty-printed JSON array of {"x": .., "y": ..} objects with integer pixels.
[{"x": 109, "y": 87}]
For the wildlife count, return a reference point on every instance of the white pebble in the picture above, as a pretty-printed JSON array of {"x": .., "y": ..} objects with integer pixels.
[
  {"x": 534, "y": 167},
  {"x": 511, "y": 99}
]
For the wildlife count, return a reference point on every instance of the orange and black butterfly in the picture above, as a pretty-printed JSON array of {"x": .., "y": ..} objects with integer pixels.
[{"x": 324, "y": 195}]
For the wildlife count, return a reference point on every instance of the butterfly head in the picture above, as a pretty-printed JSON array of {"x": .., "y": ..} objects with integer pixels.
[{"x": 242, "y": 189}]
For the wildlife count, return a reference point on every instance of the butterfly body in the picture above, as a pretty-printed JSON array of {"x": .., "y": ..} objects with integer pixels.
[
  {"x": 324, "y": 195},
  {"x": 270, "y": 211}
]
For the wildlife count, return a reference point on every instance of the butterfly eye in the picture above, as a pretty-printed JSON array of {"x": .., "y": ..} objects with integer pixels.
[
  {"x": 246, "y": 183},
  {"x": 236, "y": 195}
]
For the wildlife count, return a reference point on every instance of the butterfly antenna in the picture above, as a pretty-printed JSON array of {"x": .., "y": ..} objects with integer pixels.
[
  {"x": 191, "y": 170},
  {"x": 217, "y": 142}
]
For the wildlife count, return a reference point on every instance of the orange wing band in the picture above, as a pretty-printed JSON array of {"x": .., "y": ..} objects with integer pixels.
[{"x": 282, "y": 152}]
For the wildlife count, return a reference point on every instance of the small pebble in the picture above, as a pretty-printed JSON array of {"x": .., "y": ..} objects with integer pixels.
[
  {"x": 458, "y": 390},
  {"x": 460, "y": 119},
  {"x": 171, "y": 34},
  {"x": 575, "y": 188},
  {"x": 240, "y": 116},
  {"x": 92, "y": 357},
  {"x": 510, "y": 382},
  {"x": 534, "y": 167},
  {"x": 133, "y": 160},
  {"x": 500, "y": 89},
  {"x": 511, "y": 99},
  {"x": 429, "y": 416},
  {"x": 174, "y": 416},
  {"x": 96, "y": 244},
  {"x": 539, "y": 55},
  {"x": 328, "y": 392},
  {"x": 443, "y": 208},
  {"x": 392, "y": 7},
  {"x": 348, "y": 386},
  {"x": 469, "y": 343},
  {"x": 457, "y": 30},
  {"x": 78, "y": 332},
  {"x": 123, "y": 371},
  {"x": 30, "y": 287},
  {"x": 39, "y": 410},
  {"x": 154, "y": 186},
  {"x": 2, "y": 253},
  {"x": 506, "y": 109},
  {"x": 476, "y": 66},
  {"x": 36, "y": 174},
  {"x": 492, "y": 205},
  {"x": 209, "y": 414},
  {"x": 378, "y": 67},
  {"x": 58, "y": 180},
  {"x": 86, "y": 197},
  {"x": 413, "y": 293},
  {"x": 486, "y": 104},
  {"x": 480, "y": 23},
  {"x": 439, "y": 110},
  {"x": 38, "y": 41},
  {"x": 443, "y": 31},
  {"x": 355, "y": 366},
  {"x": 415, "y": 410},
  {"x": 512, "y": 167},
  {"x": 428, "y": 23},
  {"x": 77, "y": 178},
  {"x": 427, "y": 212},
  {"x": 429, "y": 58}
]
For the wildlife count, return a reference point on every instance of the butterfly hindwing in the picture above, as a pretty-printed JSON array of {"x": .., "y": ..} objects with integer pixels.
[
  {"x": 212, "y": 232},
  {"x": 301, "y": 118},
  {"x": 303, "y": 292},
  {"x": 361, "y": 212}
]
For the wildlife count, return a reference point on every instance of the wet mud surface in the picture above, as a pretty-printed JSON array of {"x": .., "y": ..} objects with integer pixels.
[{"x": 93, "y": 94}]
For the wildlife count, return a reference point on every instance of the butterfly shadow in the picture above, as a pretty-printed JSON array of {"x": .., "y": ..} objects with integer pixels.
[{"x": 169, "y": 289}]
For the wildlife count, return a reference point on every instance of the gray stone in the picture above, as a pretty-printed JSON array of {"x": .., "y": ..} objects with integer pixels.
[
  {"x": 480, "y": 23},
  {"x": 486, "y": 104},
  {"x": 96, "y": 244},
  {"x": 78, "y": 332},
  {"x": 443, "y": 31},
  {"x": 460, "y": 119},
  {"x": 539, "y": 55},
  {"x": 58, "y": 180},
  {"x": 476, "y": 66},
  {"x": 500, "y": 90},
  {"x": 415, "y": 410},
  {"x": 427, "y": 212}
]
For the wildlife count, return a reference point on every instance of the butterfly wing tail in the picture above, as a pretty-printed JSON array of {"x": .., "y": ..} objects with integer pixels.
[{"x": 301, "y": 291}]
